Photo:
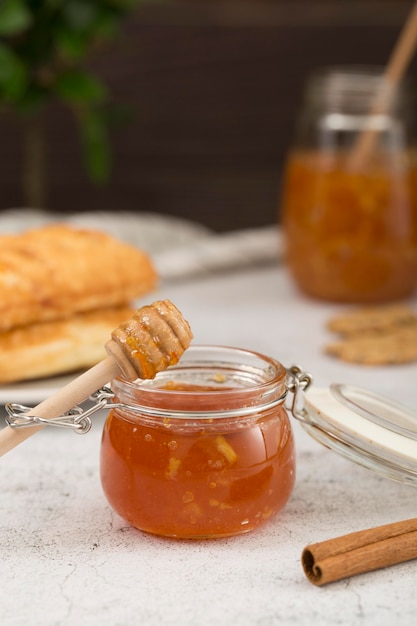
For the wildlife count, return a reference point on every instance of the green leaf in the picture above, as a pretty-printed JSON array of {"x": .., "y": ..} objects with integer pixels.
[
  {"x": 96, "y": 145},
  {"x": 80, "y": 15},
  {"x": 13, "y": 76},
  {"x": 14, "y": 17},
  {"x": 106, "y": 26},
  {"x": 79, "y": 87},
  {"x": 72, "y": 46},
  {"x": 32, "y": 101}
]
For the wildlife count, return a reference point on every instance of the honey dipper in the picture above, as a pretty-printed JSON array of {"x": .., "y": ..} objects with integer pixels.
[{"x": 152, "y": 340}]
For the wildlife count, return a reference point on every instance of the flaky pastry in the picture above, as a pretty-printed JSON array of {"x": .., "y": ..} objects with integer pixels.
[
  {"x": 60, "y": 346},
  {"x": 56, "y": 271}
]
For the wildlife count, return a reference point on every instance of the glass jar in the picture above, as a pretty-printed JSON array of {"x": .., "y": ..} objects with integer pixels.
[
  {"x": 204, "y": 450},
  {"x": 350, "y": 216}
]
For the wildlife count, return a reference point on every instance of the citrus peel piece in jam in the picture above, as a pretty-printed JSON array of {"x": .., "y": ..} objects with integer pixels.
[{"x": 226, "y": 450}]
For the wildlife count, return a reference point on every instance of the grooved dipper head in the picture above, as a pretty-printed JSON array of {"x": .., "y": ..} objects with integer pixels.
[{"x": 152, "y": 340}]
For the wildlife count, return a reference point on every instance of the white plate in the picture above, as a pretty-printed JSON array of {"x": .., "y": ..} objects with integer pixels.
[{"x": 30, "y": 393}]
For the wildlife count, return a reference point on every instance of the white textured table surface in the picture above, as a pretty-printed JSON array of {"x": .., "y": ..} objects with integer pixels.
[{"x": 68, "y": 560}]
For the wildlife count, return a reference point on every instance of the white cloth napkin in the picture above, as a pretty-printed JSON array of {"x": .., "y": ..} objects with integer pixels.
[{"x": 220, "y": 253}]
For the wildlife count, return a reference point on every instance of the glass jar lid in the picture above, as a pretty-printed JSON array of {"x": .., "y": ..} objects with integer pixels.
[{"x": 363, "y": 426}]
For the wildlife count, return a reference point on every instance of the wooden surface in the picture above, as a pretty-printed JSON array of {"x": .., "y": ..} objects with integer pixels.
[{"x": 213, "y": 89}]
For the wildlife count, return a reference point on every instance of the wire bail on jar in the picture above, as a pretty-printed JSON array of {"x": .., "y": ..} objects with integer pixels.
[
  {"x": 298, "y": 383},
  {"x": 79, "y": 419}
]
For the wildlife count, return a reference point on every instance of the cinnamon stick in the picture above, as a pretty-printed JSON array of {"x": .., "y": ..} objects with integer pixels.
[{"x": 360, "y": 552}]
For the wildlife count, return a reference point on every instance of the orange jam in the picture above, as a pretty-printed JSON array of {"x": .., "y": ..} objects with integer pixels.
[
  {"x": 351, "y": 236},
  {"x": 207, "y": 450}
]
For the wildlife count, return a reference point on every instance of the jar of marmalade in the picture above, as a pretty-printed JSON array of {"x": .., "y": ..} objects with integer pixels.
[
  {"x": 350, "y": 226},
  {"x": 203, "y": 450}
]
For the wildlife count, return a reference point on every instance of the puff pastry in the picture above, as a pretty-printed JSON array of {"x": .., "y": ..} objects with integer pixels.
[
  {"x": 60, "y": 346},
  {"x": 56, "y": 271}
]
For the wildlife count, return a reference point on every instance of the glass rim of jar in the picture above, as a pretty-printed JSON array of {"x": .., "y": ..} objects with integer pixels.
[
  {"x": 266, "y": 385},
  {"x": 358, "y": 82}
]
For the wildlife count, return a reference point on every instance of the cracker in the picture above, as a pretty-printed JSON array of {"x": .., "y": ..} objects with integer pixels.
[
  {"x": 374, "y": 320},
  {"x": 391, "y": 347}
]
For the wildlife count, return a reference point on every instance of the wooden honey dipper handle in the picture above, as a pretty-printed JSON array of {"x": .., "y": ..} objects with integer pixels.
[
  {"x": 152, "y": 340},
  {"x": 394, "y": 71},
  {"x": 62, "y": 401}
]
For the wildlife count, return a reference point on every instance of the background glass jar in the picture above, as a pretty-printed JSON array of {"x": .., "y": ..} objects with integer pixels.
[
  {"x": 350, "y": 226},
  {"x": 205, "y": 449}
]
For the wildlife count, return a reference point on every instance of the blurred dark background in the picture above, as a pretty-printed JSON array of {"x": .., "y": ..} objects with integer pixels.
[{"x": 214, "y": 86}]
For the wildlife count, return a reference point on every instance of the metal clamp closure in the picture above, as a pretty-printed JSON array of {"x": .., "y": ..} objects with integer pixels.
[
  {"x": 77, "y": 418},
  {"x": 298, "y": 382}
]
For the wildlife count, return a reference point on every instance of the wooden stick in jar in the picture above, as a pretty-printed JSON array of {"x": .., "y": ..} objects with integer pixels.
[
  {"x": 396, "y": 67},
  {"x": 152, "y": 340},
  {"x": 360, "y": 552}
]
